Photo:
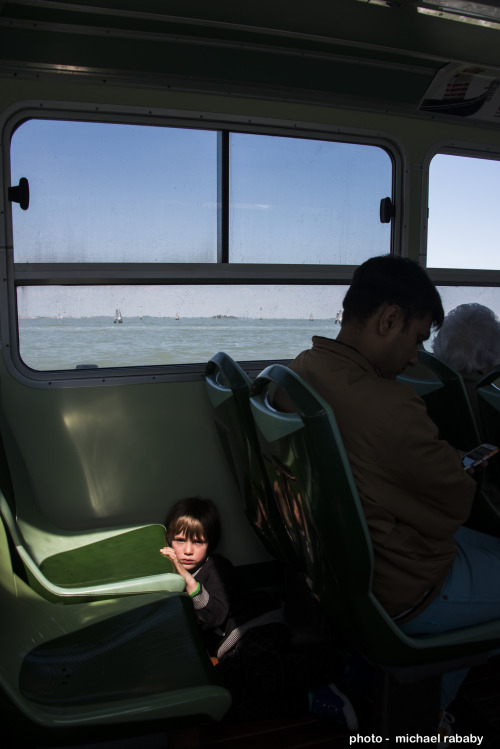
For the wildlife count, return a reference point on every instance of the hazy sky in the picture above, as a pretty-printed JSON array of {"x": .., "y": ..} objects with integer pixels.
[{"x": 186, "y": 301}]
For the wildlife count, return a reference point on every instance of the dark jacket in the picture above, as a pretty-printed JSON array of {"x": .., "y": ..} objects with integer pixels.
[{"x": 224, "y": 610}]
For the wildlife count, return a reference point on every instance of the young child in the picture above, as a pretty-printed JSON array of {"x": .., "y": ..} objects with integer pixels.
[
  {"x": 245, "y": 630},
  {"x": 228, "y": 615}
]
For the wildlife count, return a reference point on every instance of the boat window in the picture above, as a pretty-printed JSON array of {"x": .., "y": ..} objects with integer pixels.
[
  {"x": 306, "y": 201},
  {"x": 187, "y": 324},
  {"x": 196, "y": 239},
  {"x": 464, "y": 222},
  {"x": 170, "y": 324},
  {"x": 103, "y": 192}
]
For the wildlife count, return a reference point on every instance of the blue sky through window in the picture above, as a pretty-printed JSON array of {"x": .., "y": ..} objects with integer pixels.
[{"x": 104, "y": 192}]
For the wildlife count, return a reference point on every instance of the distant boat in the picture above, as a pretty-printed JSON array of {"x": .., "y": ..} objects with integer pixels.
[
  {"x": 118, "y": 316},
  {"x": 176, "y": 315},
  {"x": 311, "y": 318}
]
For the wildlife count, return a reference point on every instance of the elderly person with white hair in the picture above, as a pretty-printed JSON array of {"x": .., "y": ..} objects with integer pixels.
[
  {"x": 469, "y": 342},
  {"x": 469, "y": 339}
]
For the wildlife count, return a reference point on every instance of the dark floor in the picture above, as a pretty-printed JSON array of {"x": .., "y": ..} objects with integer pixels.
[
  {"x": 477, "y": 709},
  {"x": 476, "y": 712},
  {"x": 301, "y": 732}
]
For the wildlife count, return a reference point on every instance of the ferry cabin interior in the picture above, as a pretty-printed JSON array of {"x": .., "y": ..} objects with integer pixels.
[{"x": 168, "y": 161}]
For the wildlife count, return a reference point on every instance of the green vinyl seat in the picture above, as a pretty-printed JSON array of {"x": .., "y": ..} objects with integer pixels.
[
  {"x": 313, "y": 485},
  {"x": 228, "y": 388},
  {"x": 448, "y": 405},
  {"x": 69, "y": 566},
  {"x": 488, "y": 405},
  {"x": 488, "y": 392},
  {"x": 125, "y": 562},
  {"x": 102, "y": 663},
  {"x": 443, "y": 391}
]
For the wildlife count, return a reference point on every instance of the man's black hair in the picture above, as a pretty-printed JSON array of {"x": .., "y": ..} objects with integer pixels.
[{"x": 390, "y": 279}]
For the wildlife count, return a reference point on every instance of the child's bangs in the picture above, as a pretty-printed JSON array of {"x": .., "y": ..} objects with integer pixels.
[{"x": 191, "y": 528}]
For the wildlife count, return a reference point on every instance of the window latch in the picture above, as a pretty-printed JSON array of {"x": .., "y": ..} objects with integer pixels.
[
  {"x": 387, "y": 210},
  {"x": 20, "y": 193}
]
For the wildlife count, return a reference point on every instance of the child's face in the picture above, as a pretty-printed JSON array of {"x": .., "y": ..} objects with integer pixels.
[{"x": 191, "y": 552}]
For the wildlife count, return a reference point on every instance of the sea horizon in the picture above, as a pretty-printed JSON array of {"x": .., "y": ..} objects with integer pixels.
[{"x": 69, "y": 342}]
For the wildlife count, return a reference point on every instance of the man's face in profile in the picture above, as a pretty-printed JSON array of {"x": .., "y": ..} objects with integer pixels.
[{"x": 402, "y": 344}]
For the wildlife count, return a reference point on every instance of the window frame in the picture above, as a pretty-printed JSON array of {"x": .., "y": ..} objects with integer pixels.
[
  {"x": 454, "y": 276},
  {"x": 223, "y": 272}
]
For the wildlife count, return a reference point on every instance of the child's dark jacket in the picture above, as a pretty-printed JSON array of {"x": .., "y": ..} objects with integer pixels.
[{"x": 224, "y": 610}]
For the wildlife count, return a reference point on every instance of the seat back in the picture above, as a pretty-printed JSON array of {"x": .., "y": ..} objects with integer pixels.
[
  {"x": 81, "y": 565},
  {"x": 317, "y": 500},
  {"x": 315, "y": 494},
  {"x": 127, "y": 650},
  {"x": 228, "y": 388},
  {"x": 488, "y": 403},
  {"x": 124, "y": 563},
  {"x": 488, "y": 392},
  {"x": 136, "y": 658},
  {"x": 459, "y": 419},
  {"x": 443, "y": 391}
]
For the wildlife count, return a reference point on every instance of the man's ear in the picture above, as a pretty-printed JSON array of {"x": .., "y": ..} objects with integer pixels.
[{"x": 389, "y": 317}]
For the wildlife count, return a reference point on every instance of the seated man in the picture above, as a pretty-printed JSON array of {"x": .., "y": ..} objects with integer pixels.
[{"x": 430, "y": 574}]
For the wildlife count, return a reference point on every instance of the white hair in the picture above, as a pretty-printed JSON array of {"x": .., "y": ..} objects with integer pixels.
[{"x": 469, "y": 339}]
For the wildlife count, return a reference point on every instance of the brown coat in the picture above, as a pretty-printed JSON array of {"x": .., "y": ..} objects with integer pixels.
[{"x": 414, "y": 491}]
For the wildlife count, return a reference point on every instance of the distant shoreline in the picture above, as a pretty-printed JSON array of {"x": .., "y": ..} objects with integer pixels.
[{"x": 173, "y": 317}]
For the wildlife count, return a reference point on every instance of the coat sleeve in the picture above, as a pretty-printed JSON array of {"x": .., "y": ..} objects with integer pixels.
[
  {"x": 213, "y": 600},
  {"x": 432, "y": 492}
]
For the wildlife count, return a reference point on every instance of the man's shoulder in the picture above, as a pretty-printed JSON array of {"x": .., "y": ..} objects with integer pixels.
[
  {"x": 378, "y": 394},
  {"x": 344, "y": 367},
  {"x": 324, "y": 353},
  {"x": 347, "y": 382}
]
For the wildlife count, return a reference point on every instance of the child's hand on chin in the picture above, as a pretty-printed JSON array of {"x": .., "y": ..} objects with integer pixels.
[
  {"x": 167, "y": 551},
  {"x": 191, "y": 583}
]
